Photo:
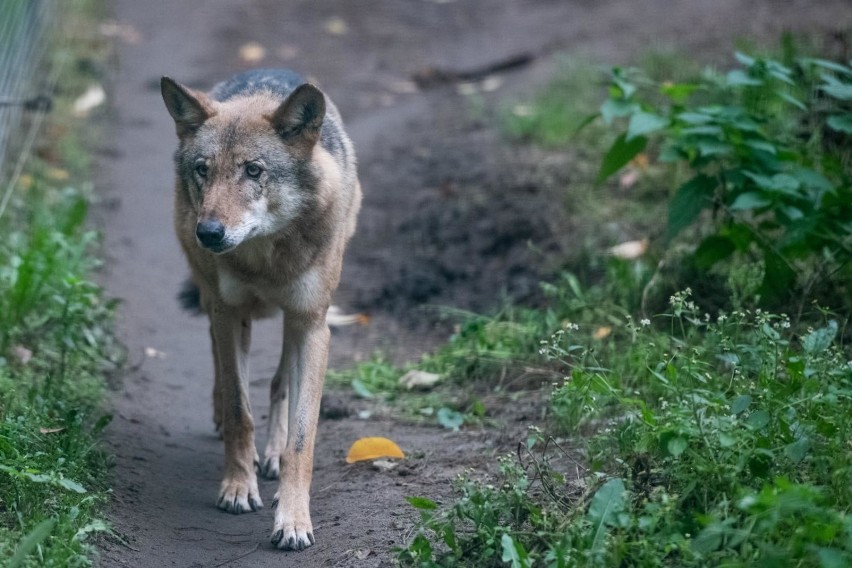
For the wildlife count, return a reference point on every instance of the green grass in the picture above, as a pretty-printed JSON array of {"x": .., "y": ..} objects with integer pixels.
[{"x": 55, "y": 340}]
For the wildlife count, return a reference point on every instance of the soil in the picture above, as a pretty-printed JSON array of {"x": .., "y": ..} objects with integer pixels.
[{"x": 454, "y": 215}]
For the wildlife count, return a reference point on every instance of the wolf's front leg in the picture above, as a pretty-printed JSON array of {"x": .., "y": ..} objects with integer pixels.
[
  {"x": 306, "y": 355},
  {"x": 278, "y": 411},
  {"x": 232, "y": 336}
]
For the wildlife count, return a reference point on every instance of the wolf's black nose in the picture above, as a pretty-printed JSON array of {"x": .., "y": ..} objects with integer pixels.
[{"x": 210, "y": 233}]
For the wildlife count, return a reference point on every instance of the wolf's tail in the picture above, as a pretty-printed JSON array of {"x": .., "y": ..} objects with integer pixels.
[{"x": 189, "y": 297}]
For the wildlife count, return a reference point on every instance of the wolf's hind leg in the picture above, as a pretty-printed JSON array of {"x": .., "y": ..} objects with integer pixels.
[
  {"x": 277, "y": 439},
  {"x": 232, "y": 336}
]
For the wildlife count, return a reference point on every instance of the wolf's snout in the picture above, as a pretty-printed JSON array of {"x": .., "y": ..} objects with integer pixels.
[{"x": 210, "y": 233}]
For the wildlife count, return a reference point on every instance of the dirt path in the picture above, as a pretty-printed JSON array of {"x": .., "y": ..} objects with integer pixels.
[{"x": 433, "y": 176}]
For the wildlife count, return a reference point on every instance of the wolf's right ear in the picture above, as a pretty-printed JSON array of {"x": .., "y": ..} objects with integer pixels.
[{"x": 189, "y": 108}]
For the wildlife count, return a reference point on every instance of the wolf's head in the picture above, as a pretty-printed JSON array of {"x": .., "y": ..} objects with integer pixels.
[{"x": 244, "y": 162}]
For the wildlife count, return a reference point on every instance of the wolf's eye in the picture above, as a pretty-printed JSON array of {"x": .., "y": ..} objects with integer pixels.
[
  {"x": 253, "y": 171},
  {"x": 201, "y": 170}
]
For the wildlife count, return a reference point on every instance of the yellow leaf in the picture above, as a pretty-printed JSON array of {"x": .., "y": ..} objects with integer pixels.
[
  {"x": 602, "y": 332},
  {"x": 372, "y": 448}
]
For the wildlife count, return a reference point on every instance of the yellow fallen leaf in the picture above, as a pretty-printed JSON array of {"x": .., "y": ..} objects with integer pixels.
[
  {"x": 373, "y": 448},
  {"x": 602, "y": 332}
]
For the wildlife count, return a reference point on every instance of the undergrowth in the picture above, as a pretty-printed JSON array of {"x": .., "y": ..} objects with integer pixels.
[
  {"x": 55, "y": 340},
  {"x": 709, "y": 428}
]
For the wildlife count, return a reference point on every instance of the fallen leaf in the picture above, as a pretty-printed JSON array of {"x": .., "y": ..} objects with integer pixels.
[
  {"x": 23, "y": 354},
  {"x": 641, "y": 161},
  {"x": 336, "y": 318},
  {"x": 363, "y": 553},
  {"x": 602, "y": 332},
  {"x": 125, "y": 32},
  {"x": 92, "y": 98},
  {"x": 152, "y": 353},
  {"x": 415, "y": 379},
  {"x": 336, "y": 26},
  {"x": 25, "y": 181},
  {"x": 371, "y": 448},
  {"x": 491, "y": 84},
  {"x": 384, "y": 464},
  {"x": 58, "y": 174},
  {"x": 365, "y": 414},
  {"x": 630, "y": 250},
  {"x": 50, "y": 430},
  {"x": 252, "y": 52},
  {"x": 628, "y": 179}
]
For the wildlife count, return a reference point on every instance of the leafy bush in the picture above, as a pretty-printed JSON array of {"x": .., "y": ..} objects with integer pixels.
[{"x": 768, "y": 149}]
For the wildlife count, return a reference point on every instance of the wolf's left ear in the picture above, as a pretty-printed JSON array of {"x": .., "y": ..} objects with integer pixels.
[
  {"x": 189, "y": 108},
  {"x": 299, "y": 118}
]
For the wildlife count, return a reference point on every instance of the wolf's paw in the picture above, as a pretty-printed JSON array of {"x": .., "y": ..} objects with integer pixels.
[
  {"x": 293, "y": 536},
  {"x": 270, "y": 467},
  {"x": 239, "y": 497}
]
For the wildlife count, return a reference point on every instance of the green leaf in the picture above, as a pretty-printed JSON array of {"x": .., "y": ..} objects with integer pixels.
[
  {"x": 71, "y": 485},
  {"x": 711, "y": 250},
  {"x": 820, "y": 339},
  {"x": 422, "y": 503},
  {"x": 836, "y": 89},
  {"x": 740, "y": 404},
  {"x": 749, "y": 200},
  {"x": 746, "y": 60},
  {"x": 614, "y": 108},
  {"x": 361, "y": 389},
  {"x": 645, "y": 123},
  {"x": 35, "y": 537},
  {"x": 450, "y": 419},
  {"x": 739, "y": 78},
  {"x": 621, "y": 152},
  {"x": 832, "y": 558},
  {"x": 757, "y": 420},
  {"x": 607, "y": 503},
  {"x": 840, "y": 122},
  {"x": 101, "y": 423},
  {"x": 778, "y": 277},
  {"x": 514, "y": 552},
  {"x": 676, "y": 445},
  {"x": 798, "y": 449},
  {"x": 689, "y": 200}
]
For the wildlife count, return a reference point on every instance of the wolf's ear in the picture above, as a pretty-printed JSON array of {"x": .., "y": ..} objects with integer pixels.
[
  {"x": 299, "y": 118},
  {"x": 189, "y": 108}
]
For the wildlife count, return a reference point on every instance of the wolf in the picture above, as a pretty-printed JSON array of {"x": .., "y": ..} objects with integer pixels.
[{"x": 266, "y": 199}]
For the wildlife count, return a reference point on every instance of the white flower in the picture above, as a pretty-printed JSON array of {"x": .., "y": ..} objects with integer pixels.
[{"x": 645, "y": 322}]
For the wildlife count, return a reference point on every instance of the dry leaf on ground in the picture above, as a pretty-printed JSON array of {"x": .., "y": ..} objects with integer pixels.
[
  {"x": 336, "y": 26},
  {"x": 415, "y": 379},
  {"x": 92, "y": 98},
  {"x": 50, "y": 430},
  {"x": 630, "y": 250},
  {"x": 252, "y": 52},
  {"x": 336, "y": 318},
  {"x": 602, "y": 332},
  {"x": 373, "y": 448}
]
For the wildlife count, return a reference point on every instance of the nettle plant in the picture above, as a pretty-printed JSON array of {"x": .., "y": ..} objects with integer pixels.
[{"x": 768, "y": 150}]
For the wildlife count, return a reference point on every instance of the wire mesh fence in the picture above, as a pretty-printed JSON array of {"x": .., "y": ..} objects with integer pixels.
[{"x": 24, "y": 29}]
